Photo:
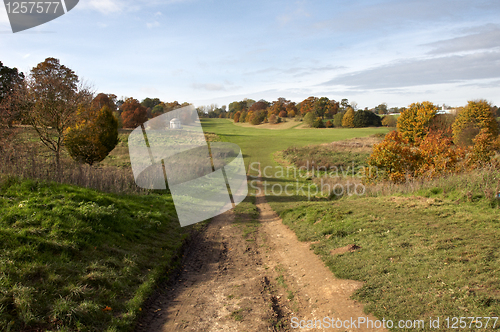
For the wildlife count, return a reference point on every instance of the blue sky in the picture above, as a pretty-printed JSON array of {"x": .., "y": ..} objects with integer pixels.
[{"x": 207, "y": 52}]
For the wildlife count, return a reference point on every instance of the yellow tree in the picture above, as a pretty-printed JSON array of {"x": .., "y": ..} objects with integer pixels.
[
  {"x": 414, "y": 122},
  {"x": 475, "y": 117},
  {"x": 348, "y": 118}
]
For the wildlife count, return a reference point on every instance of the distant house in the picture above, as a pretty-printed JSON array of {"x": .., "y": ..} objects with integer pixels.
[{"x": 175, "y": 124}]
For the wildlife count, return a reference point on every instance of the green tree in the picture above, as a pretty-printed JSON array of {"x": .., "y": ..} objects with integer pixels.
[
  {"x": 11, "y": 95},
  {"x": 55, "y": 95},
  {"x": 366, "y": 119},
  {"x": 381, "y": 109},
  {"x": 414, "y": 122},
  {"x": 348, "y": 118},
  {"x": 93, "y": 137},
  {"x": 150, "y": 102},
  {"x": 337, "y": 119}
]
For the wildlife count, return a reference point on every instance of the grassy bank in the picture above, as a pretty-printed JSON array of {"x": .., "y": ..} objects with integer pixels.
[
  {"x": 421, "y": 255},
  {"x": 78, "y": 259}
]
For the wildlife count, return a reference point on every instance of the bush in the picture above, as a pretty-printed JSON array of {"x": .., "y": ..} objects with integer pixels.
[
  {"x": 318, "y": 123},
  {"x": 329, "y": 124},
  {"x": 309, "y": 119},
  {"x": 273, "y": 119}
]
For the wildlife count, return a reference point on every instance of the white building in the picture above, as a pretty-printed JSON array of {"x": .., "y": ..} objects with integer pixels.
[{"x": 175, "y": 124}]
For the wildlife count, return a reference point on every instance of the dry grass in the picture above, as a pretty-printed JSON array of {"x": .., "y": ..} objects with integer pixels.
[{"x": 25, "y": 157}]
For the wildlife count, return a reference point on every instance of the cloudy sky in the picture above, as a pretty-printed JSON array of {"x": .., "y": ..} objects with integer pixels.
[{"x": 204, "y": 51}]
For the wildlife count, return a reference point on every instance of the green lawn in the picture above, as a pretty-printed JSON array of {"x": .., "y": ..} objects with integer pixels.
[{"x": 258, "y": 145}]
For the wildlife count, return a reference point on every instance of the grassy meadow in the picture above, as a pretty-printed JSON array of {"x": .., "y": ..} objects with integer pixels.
[{"x": 81, "y": 259}]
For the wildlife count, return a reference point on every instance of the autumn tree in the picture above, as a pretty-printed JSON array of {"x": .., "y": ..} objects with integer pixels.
[
  {"x": 474, "y": 117},
  {"x": 414, "y": 122},
  {"x": 236, "y": 117},
  {"x": 94, "y": 135},
  {"x": 348, "y": 118},
  {"x": 307, "y": 105},
  {"x": 55, "y": 94},
  {"x": 133, "y": 113},
  {"x": 395, "y": 156},
  {"x": 261, "y": 105},
  {"x": 291, "y": 109}
]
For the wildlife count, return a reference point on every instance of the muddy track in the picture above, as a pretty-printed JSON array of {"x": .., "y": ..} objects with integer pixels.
[{"x": 258, "y": 282}]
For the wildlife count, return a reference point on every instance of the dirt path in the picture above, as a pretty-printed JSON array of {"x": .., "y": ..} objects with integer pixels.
[{"x": 258, "y": 282}]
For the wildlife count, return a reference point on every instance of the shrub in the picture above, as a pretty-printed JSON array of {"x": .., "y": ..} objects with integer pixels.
[
  {"x": 309, "y": 119},
  {"x": 273, "y": 119},
  {"x": 318, "y": 123}
]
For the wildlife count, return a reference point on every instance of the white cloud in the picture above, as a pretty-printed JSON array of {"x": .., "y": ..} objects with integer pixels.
[
  {"x": 447, "y": 69},
  {"x": 483, "y": 40},
  {"x": 208, "y": 86},
  {"x": 104, "y": 6},
  {"x": 153, "y": 24}
]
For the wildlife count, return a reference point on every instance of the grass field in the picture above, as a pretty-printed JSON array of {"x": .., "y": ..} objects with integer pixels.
[
  {"x": 260, "y": 144},
  {"x": 431, "y": 252},
  {"x": 78, "y": 259}
]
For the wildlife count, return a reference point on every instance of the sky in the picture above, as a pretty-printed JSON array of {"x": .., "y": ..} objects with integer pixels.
[{"x": 216, "y": 52}]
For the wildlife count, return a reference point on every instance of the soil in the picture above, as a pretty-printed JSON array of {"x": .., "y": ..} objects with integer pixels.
[{"x": 259, "y": 282}]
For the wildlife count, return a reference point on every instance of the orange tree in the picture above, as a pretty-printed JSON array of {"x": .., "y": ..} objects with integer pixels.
[{"x": 133, "y": 113}]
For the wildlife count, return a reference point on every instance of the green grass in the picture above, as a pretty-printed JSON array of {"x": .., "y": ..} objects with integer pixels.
[
  {"x": 258, "y": 145},
  {"x": 420, "y": 256},
  {"x": 429, "y": 251},
  {"x": 77, "y": 259}
]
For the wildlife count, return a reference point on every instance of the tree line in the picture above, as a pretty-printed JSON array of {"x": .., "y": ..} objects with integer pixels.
[
  {"x": 316, "y": 112},
  {"x": 67, "y": 114}
]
